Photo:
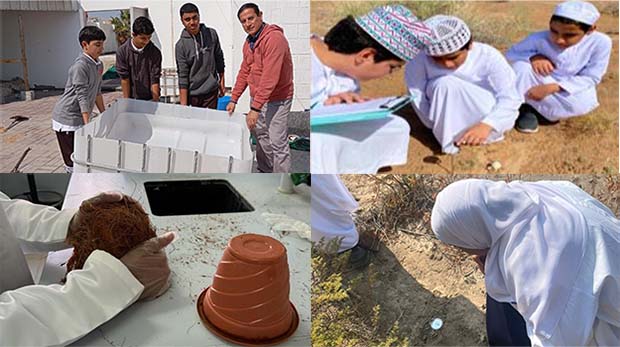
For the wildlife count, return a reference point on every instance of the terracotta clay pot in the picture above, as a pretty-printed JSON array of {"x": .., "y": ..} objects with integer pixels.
[{"x": 248, "y": 302}]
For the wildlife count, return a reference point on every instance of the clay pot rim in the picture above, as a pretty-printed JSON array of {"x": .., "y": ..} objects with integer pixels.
[{"x": 241, "y": 341}]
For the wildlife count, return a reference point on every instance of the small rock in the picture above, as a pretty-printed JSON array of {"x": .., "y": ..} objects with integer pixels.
[{"x": 494, "y": 166}]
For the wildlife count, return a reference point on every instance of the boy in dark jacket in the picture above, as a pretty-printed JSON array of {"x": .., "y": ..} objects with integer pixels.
[
  {"x": 200, "y": 61},
  {"x": 82, "y": 92},
  {"x": 138, "y": 62}
]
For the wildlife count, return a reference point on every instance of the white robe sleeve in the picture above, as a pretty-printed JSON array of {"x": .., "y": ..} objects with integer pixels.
[
  {"x": 593, "y": 72},
  {"x": 326, "y": 83},
  {"x": 507, "y": 99},
  {"x": 39, "y": 228},
  {"x": 58, "y": 315},
  {"x": 417, "y": 79},
  {"x": 524, "y": 50}
]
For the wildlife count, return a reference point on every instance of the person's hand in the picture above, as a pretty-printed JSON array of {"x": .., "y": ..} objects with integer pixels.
[
  {"x": 251, "y": 119},
  {"x": 230, "y": 108},
  {"x": 344, "y": 98},
  {"x": 540, "y": 92},
  {"x": 476, "y": 135},
  {"x": 102, "y": 198},
  {"x": 542, "y": 65},
  {"x": 480, "y": 259},
  {"x": 148, "y": 263}
]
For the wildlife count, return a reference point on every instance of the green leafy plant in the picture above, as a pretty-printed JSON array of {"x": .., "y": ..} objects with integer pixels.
[{"x": 122, "y": 27}]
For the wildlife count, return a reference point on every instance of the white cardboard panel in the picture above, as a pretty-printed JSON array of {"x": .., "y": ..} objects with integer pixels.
[
  {"x": 214, "y": 164},
  {"x": 182, "y": 161},
  {"x": 132, "y": 156},
  {"x": 104, "y": 152},
  {"x": 157, "y": 159}
]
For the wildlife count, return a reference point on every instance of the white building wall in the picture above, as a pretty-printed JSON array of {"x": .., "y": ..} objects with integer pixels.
[{"x": 51, "y": 45}]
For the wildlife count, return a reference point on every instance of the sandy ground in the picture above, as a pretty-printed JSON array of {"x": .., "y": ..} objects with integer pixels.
[
  {"x": 587, "y": 144},
  {"x": 415, "y": 278}
]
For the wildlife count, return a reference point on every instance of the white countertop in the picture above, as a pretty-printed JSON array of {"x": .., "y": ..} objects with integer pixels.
[{"x": 172, "y": 319}]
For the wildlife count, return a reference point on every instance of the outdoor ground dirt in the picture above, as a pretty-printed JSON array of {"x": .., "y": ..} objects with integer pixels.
[
  {"x": 587, "y": 144},
  {"x": 415, "y": 278}
]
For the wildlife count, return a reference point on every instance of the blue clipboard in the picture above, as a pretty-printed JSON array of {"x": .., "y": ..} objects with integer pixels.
[{"x": 357, "y": 112}]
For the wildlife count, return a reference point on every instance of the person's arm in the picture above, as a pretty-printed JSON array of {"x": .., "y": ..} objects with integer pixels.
[
  {"x": 183, "y": 96},
  {"x": 183, "y": 68},
  {"x": 276, "y": 49},
  {"x": 56, "y": 314},
  {"x": 593, "y": 72},
  {"x": 155, "y": 92},
  {"x": 242, "y": 79},
  {"x": 525, "y": 49},
  {"x": 39, "y": 228},
  {"x": 79, "y": 78},
  {"x": 416, "y": 79},
  {"x": 126, "y": 87},
  {"x": 99, "y": 103},
  {"x": 122, "y": 69},
  {"x": 507, "y": 99},
  {"x": 156, "y": 75},
  {"x": 222, "y": 84}
]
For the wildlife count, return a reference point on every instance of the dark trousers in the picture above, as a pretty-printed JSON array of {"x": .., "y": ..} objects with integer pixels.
[
  {"x": 205, "y": 101},
  {"x": 65, "y": 142},
  {"x": 505, "y": 326}
]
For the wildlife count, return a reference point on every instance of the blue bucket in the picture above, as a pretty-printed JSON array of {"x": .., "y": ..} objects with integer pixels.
[{"x": 223, "y": 102}]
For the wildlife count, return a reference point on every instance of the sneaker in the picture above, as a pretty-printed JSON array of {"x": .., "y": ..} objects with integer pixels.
[
  {"x": 527, "y": 122},
  {"x": 359, "y": 258}
]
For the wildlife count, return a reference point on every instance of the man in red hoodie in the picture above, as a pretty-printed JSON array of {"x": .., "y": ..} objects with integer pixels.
[{"x": 267, "y": 68}]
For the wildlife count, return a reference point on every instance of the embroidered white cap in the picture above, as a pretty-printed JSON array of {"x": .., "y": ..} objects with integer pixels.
[
  {"x": 580, "y": 11},
  {"x": 448, "y": 35}
]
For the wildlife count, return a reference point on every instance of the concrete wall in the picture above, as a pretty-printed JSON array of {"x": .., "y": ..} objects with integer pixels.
[{"x": 51, "y": 45}]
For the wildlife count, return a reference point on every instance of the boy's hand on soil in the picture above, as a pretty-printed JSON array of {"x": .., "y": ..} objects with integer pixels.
[
  {"x": 480, "y": 259},
  {"x": 149, "y": 265},
  {"x": 542, "y": 65},
  {"x": 476, "y": 135},
  {"x": 344, "y": 98},
  {"x": 540, "y": 92}
]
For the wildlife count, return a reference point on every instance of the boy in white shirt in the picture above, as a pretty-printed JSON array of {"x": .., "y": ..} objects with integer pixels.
[
  {"x": 463, "y": 90},
  {"x": 558, "y": 69},
  {"x": 359, "y": 49}
]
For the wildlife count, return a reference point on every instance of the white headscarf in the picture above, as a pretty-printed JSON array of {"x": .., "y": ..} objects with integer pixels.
[{"x": 535, "y": 234}]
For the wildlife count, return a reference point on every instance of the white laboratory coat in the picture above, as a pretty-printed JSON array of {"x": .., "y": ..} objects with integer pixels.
[
  {"x": 50, "y": 315},
  {"x": 578, "y": 69},
  {"x": 450, "y": 102}
]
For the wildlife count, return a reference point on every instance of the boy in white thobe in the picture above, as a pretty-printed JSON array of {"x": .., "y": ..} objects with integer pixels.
[
  {"x": 558, "y": 69},
  {"x": 331, "y": 217},
  {"x": 360, "y": 49},
  {"x": 463, "y": 90}
]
